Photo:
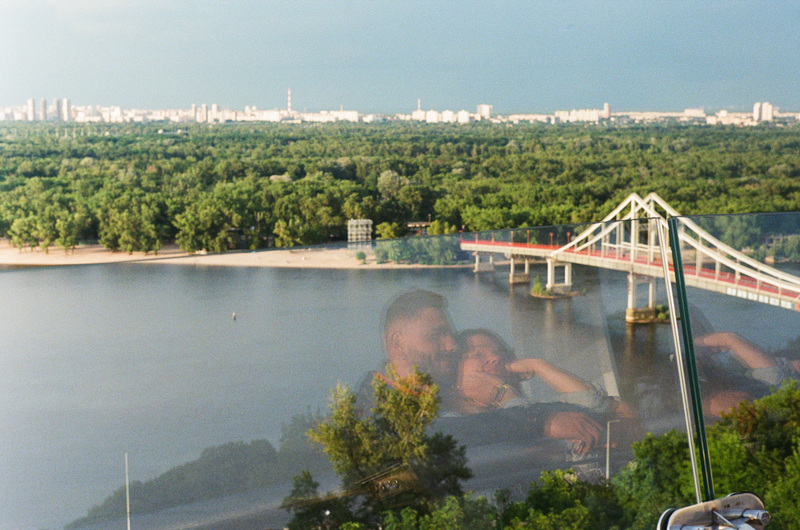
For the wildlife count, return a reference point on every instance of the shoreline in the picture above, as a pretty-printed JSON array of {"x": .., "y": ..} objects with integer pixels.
[{"x": 297, "y": 257}]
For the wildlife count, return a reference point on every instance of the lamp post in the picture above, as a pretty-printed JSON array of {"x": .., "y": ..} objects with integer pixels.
[
  {"x": 608, "y": 447},
  {"x": 127, "y": 494}
]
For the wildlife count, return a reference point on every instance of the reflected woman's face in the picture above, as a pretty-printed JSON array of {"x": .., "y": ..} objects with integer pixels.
[{"x": 482, "y": 354}]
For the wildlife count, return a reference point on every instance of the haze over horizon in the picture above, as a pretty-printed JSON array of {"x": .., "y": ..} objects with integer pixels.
[{"x": 376, "y": 56}]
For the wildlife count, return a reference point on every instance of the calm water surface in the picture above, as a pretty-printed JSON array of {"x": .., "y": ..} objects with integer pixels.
[{"x": 99, "y": 360}]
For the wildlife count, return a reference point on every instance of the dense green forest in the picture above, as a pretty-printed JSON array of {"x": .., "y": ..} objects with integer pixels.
[{"x": 138, "y": 186}]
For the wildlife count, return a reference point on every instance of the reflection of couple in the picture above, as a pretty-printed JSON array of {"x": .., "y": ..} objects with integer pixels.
[
  {"x": 490, "y": 376},
  {"x": 480, "y": 380},
  {"x": 758, "y": 370}
]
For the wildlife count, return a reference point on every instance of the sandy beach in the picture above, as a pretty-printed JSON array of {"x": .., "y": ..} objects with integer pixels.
[{"x": 311, "y": 257}]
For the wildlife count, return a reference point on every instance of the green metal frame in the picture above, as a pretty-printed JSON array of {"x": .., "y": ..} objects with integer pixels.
[{"x": 691, "y": 360}]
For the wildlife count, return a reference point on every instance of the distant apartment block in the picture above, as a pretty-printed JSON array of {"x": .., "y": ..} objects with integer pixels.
[
  {"x": 446, "y": 116},
  {"x": 763, "y": 112},
  {"x": 485, "y": 111}
]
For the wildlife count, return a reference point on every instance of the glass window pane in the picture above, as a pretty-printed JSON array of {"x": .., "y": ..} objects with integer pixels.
[
  {"x": 550, "y": 346},
  {"x": 742, "y": 289}
]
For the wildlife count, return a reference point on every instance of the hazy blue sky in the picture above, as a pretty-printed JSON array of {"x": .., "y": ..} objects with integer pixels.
[{"x": 380, "y": 56}]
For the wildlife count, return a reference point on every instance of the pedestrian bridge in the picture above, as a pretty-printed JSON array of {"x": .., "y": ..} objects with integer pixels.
[{"x": 627, "y": 239}]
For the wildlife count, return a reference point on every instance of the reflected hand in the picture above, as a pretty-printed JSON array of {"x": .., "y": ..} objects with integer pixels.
[
  {"x": 485, "y": 390},
  {"x": 574, "y": 426},
  {"x": 526, "y": 367}
]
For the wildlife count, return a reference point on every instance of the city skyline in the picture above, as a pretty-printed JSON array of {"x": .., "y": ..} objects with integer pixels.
[
  {"x": 380, "y": 57},
  {"x": 63, "y": 110},
  {"x": 51, "y": 103}
]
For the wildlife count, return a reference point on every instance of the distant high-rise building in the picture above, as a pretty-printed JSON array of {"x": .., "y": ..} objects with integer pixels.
[
  {"x": 30, "y": 114},
  {"x": 763, "y": 111},
  {"x": 66, "y": 110},
  {"x": 606, "y": 115},
  {"x": 289, "y": 100},
  {"x": 203, "y": 116},
  {"x": 42, "y": 109},
  {"x": 757, "y": 111},
  {"x": 766, "y": 111},
  {"x": 485, "y": 111}
]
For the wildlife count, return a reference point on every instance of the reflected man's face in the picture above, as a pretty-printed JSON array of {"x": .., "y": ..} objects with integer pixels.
[{"x": 425, "y": 341}]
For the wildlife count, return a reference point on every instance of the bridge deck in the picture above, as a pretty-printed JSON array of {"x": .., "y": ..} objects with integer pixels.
[{"x": 729, "y": 283}]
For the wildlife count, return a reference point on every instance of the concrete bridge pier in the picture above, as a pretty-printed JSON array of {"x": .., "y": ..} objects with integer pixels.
[
  {"x": 551, "y": 274},
  {"x": 636, "y": 314},
  {"x": 515, "y": 277},
  {"x": 483, "y": 266}
]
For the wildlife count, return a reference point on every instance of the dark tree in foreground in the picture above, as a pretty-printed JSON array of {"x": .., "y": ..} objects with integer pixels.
[{"x": 386, "y": 459}]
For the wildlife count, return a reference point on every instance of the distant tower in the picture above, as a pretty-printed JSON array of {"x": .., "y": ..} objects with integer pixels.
[
  {"x": 43, "y": 109},
  {"x": 606, "y": 111},
  {"x": 30, "y": 115},
  {"x": 289, "y": 101},
  {"x": 419, "y": 114}
]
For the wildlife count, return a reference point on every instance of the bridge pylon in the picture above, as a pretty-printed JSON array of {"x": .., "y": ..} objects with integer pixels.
[
  {"x": 633, "y": 313},
  {"x": 551, "y": 275},
  {"x": 483, "y": 266},
  {"x": 515, "y": 277}
]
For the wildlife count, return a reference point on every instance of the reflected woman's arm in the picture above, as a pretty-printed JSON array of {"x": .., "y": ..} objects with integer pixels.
[
  {"x": 745, "y": 352},
  {"x": 560, "y": 380},
  {"x": 760, "y": 366}
]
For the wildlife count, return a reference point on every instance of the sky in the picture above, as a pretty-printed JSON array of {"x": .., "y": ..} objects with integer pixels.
[{"x": 381, "y": 56}]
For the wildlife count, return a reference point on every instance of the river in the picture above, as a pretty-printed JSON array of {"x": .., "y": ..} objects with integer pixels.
[{"x": 149, "y": 359}]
